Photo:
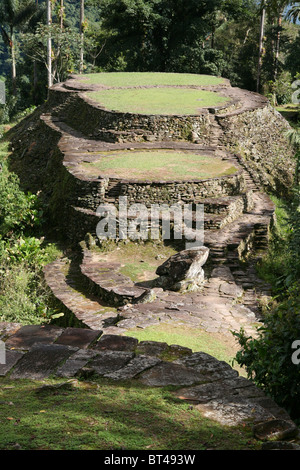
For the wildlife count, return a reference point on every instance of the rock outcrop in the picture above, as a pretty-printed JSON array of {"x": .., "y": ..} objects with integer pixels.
[{"x": 183, "y": 271}]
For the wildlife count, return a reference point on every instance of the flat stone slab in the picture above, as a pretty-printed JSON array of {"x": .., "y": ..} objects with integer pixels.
[
  {"x": 29, "y": 335},
  {"x": 107, "y": 362},
  {"x": 78, "y": 337},
  {"x": 76, "y": 362},
  {"x": 152, "y": 348},
  {"x": 11, "y": 358},
  {"x": 136, "y": 366},
  {"x": 168, "y": 373},
  {"x": 116, "y": 343},
  {"x": 208, "y": 365},
  {"x": 7, "y": 329},
  {"x": 275, "y": 429},
  {"x": 41, "y": 361},
  {"x": 233, "y": 411}
]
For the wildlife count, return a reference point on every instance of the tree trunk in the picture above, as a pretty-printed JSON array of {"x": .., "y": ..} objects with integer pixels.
[
  {"x": 61, "y": 14},
  {"x": 35, "y": 75},
  {"x": 261, "y": 44},
  {"x": 13, "y": 61},
  {"x": 81, "y": 36},
  {"x": 49, "y": 45},
  {"x": 277, "y": 49}
]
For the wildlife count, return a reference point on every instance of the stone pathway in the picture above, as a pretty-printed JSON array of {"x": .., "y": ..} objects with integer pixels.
[{"x": 38, "y": 352}]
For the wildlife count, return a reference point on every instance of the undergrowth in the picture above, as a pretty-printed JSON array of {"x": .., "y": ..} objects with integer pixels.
[
  {"x": 23, "y": 251},
  {"x": 270, "y": 359}
]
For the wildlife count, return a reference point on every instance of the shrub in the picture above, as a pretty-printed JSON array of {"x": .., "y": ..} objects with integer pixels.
[{"x": 268, "y": 358}]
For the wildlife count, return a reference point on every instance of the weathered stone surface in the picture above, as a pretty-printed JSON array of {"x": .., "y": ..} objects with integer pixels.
[
  {"x": 208, "y": 365},
  {"x": 116, "y": 343},
  {"x": 275, "y": 429},
  {"x": 107, "y": 362},
  {"x": 136, "y": 366},
  {"x": 79, "y": 337},
  {"x": 41, "y": 361},
  {"x": 75, "y": 363},
  {"x": 171, "y": 374},
  {"x": 232, "y": 411},
  {"x": 7, "y": 329},
  {"x": 11, "y": 358},
  {"x": 184, "y": 269},
  {"x": 151, "y": 348},
  {"x": 28, "y": 335}
]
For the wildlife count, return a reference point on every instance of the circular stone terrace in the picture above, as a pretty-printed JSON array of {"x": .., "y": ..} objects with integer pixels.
[
  {"x": 154, "y": 165},
  {"x": 139, "y": 107},
  {"x": 155, "y": 93}
]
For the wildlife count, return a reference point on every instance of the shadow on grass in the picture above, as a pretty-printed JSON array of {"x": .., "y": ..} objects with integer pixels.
[{"x": 101, "y": 415}]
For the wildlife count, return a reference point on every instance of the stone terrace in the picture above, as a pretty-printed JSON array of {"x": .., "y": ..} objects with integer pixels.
[{"x": 239, "y": 216}]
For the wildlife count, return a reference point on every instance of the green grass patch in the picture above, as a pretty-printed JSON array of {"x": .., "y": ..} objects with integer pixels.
[
  {"x": 116, "y": 79},
  {"x": 166, "y": 101},
  {"x": 158, "y": 165},
  {"x": 189, "y": 337},
  {"x": 139, "y": 261},
  {"x": 100, "y": 415}
]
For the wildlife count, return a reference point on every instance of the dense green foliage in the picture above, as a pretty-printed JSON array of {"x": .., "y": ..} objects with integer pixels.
[
  {"x": 268, "y": 358},
  {"x": 23, "y": 253}
]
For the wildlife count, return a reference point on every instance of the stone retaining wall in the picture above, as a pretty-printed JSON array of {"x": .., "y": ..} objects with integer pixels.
[
  {"x": 95, "y": 122},
  {"x": 259, "y": 137}
]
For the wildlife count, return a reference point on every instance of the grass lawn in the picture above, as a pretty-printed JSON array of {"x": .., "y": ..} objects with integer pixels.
[
  {"x": 158, "y": 165},
  {"x": 140, "y": 261},
  {"x": 166, "y": 101},
  {"x": 101, "y": 415},
  {"x": 218, "y": 346},
  {"x": 116, "y": 79}
]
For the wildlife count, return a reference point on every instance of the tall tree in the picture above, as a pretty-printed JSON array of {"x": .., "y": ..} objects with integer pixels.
[
  {"x": 164, "y": 35},
  {"x": 13, "y": 16},
  {"x": 294, "y": 12},
  {"x": 261, "y": 43},
  {"x": 81, "y": 35},
  {"x": 275, "y": 9},
  {"x": 49, "y": 44}
]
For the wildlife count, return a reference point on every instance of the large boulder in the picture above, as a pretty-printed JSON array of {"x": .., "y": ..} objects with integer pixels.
[{"x": 183, "y": 271}]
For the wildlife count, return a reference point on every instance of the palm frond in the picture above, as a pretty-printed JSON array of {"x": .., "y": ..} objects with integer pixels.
[
  {"x": 293, "y": 135},
  {"x": 24, "y": 13}
]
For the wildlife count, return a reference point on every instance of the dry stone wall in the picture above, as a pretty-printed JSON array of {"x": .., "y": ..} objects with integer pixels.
[
  {"x": 97, "y": 123},
  {"x": 259, "y": 136}
]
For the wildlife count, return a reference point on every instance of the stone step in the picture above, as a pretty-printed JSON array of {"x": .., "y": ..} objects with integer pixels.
[
  {"x": 106, "y": 282},
  {"x": 71, "y": 298}
]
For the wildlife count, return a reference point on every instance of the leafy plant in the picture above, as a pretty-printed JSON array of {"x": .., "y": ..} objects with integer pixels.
[{"x": 268, "y": 358}]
